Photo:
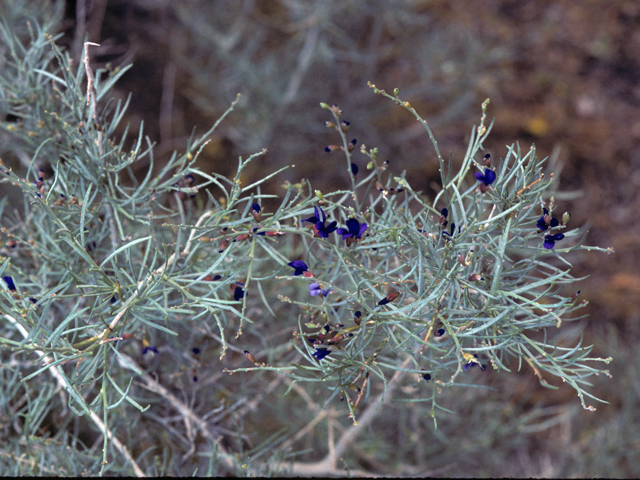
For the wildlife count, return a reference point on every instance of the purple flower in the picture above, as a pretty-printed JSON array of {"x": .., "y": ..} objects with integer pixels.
[
  {"x": 550, "y": 240},
  {"x": 426, "y": 377},
  {"x": 149, "y": 349},
  {"x": 488, "y": 177},
  {"x": 353, "y": 231},
  {"x": 451, "y": 232},
  {"x": 316, "y": 289},
  {"x": 300, "y": 268},
  {"x": 545, "y": 222},
  {"x": 238, "y": 292},
  {"x": 320, "y": 353},
  {"x": 354, "y": 169},
  {"x": 9, "y": 281},
  {"x": 319, "y": 221}
]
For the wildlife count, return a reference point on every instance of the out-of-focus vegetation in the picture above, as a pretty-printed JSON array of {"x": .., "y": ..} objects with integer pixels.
[{"x": 560, "y": 74}]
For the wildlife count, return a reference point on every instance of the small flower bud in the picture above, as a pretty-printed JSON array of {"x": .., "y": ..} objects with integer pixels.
[
  {"x": 10, "y": 284},
  {"x": 250, "y": 356},
  {"x": 352, "y": 145},
  {"x": 389, "y": 298},
  {"x": 256, "y": 211},
  {"x": 357, "y": 317},
  {"x": 474, "y": 277},
  {"x": 330, "y": 124},
  {"x": 396, "y": 91},
  {"x": 335, "y": 109},
  {"x": 344, "y": 126},
  {"x": 331, "y": 148},
  {"x": 565, "y": 218},
  {"x": 487, "y": 160}
]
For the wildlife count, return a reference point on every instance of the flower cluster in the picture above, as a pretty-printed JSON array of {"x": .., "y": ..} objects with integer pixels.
[{"x": 546, "y": 222}]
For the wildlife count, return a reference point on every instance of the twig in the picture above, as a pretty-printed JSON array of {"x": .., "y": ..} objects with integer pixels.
[{"x": 94, "y": 416}]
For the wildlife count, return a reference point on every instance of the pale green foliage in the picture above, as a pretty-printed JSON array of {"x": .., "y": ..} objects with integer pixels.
[{"x": 120, "y": 264}]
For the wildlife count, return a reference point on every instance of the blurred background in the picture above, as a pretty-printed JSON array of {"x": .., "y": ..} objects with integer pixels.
[{"x": 562, "y": 75}]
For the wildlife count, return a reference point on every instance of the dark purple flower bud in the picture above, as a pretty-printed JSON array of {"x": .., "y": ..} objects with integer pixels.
[
  {"x": 320, "y": 353},
  {"x": 344, "y": 126},
  {"x": 9, "y": 281},
  {"x": 352, "y": 145},
  {"x": 250, "y": 356},
  {"x": 426, "y": 377},
  {"x": 256, "y": 212},
  {"x": 33, "y": 300},
  {"x": 238, "y": 292},
  {"x": 443, "y": 217},
  {"x": 487, "y": 160},
  {"x": 331, "y": 148},
  {"x": 440, "y": 332},
  {"x": 389, "y": 298},
  {"x": 575, "y": 294},
  {"x": 299, "y": 267},
  {"x": 357, "y": 317},
  {"x": 354, "y": 169},
  {"x": 195, "y": 350},
  {"x": 550, "y": 240},
  {"x": 149, "y": 349}
]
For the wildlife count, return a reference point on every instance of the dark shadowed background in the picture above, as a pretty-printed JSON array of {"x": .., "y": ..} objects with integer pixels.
[{"x": 562, "y": 75}]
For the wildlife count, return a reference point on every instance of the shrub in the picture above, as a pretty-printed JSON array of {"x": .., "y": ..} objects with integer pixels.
[{"x": 115, "y": 286}]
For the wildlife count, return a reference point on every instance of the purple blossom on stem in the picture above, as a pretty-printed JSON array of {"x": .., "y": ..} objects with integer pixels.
[
  {"x": 488, "y": 177},
  {"x": 300, "y": 268},
  {"x": 319, "y": 220},
  {"x": 316, "y": 289},
  {"x": 353, "y": 232},
  {"x": 545, "y": 221},
  {"x": 550, "y": 240},
  {"x": 485, "y": 179},
  {"x": 320, "y": 353}
]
